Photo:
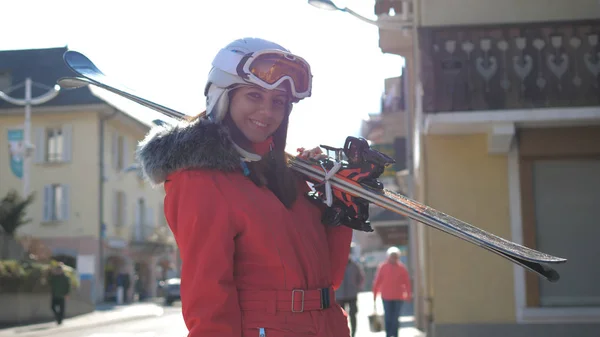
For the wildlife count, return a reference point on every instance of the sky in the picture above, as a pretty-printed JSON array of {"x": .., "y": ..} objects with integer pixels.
[{"x": 164, "y": 49}]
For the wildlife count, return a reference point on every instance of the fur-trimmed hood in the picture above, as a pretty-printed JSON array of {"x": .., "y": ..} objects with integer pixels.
[{"x": 199, "y": 144}]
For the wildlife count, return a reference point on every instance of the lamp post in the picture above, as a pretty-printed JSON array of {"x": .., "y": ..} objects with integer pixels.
[{"x": 28, "y": 101}]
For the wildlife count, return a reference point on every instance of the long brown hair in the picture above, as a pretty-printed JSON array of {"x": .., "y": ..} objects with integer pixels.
[{"x": 272, "y": 170}]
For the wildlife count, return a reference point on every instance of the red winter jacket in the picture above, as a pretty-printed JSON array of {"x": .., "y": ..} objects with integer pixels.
[
  {"x": 392, "y": 281},
  {"x": 247, "y": 261}
]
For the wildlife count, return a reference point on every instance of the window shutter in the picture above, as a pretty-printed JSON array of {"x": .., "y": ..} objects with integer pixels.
[
  {"x": 67, "y": 131},
  {"x": 115, "y": 209},
  {"x": 161, "y": 214},
  {"x": 66, "y": 201},
  {"x": 148, "y": 227},
  {"x": 150, "y": 217},
  {"x": 138, "y": 219},
  {"x": 115, "y": 150},
  {"x": 125, "y": 153},
  {"x": 124, "y": 214},
  {"x": 47, "y": 203},
  {"x": 40, "y": 145}
]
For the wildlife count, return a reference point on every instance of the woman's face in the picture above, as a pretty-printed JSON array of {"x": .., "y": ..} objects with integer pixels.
[{"x": 258, "y": 112}]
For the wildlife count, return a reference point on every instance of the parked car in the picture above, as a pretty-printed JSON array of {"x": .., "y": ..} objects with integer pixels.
[{"x": 170, "y": 290}]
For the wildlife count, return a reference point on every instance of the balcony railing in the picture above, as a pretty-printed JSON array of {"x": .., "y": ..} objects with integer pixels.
[
  {"x": 511, "y": 66},
  {"x": 150, "y": 234}
]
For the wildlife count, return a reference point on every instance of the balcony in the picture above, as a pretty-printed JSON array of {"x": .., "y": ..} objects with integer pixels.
[
  {"x": 151, "y": 239},
  {"x": 389, "y": 124},
  {"x": 399, "y": 13},
  {"x": 527, "y": 66}
]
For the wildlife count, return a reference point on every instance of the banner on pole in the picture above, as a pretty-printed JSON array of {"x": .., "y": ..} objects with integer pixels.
[{"x": 16, "y": 151}]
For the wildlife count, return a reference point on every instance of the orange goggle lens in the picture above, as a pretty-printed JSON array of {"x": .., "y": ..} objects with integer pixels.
[{"x": 270, "y": 68}]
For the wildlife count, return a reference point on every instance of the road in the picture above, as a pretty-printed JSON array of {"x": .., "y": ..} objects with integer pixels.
[{"x": 170, "y": 324}]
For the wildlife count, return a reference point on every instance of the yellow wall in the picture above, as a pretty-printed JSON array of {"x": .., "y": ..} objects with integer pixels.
[
  {"x": 468, "y": 284},
  {"x": 466, "y": 12},
  {"x": 80, "y": 174},
  {"x": 129, "y": 183}
]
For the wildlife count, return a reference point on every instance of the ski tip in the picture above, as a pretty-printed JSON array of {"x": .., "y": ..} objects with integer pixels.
[
  {"x": 72, "y": 56},
  {"x": 76, "y": 60},
  {"x": 552, "y": 275}
]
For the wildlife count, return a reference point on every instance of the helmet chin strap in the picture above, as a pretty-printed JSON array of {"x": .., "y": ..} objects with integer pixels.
[{"x": 246, "y": 156}]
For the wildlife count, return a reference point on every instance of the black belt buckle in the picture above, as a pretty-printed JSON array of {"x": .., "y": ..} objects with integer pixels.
[{"x": 325, "y": 298}]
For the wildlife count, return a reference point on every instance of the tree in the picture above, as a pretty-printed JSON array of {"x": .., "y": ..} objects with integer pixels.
[{"x": 13, "y": 210}]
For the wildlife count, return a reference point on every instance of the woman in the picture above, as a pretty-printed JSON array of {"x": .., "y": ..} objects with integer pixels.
[
  {"x": 256, "y": 260},
  {"x": 392, "y": 281}
]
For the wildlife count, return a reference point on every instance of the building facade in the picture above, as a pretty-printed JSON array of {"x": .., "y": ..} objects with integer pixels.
[
  {"x": 91, "y": 210},
  {"x": 505, "y": 107}
]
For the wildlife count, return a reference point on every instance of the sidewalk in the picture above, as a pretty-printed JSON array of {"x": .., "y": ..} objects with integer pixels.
[
  {"x": 104, "y": 314},
  {"x": 365, "y": 308}
]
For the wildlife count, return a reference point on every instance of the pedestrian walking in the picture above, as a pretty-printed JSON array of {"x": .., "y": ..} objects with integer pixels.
[
  {"x": 347, "y": 293},
  {"x": 60, "y": 287},
  {"x": 392, "y": 281}
]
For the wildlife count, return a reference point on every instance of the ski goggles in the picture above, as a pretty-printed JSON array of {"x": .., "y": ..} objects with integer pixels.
[{"x": 268, "y": 69}]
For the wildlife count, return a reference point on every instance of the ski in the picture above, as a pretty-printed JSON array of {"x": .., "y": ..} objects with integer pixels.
[
  {"x": 90, "y": 74},
  {"x": 528, "y": 258},
  {"x": 352, "y": 185}
]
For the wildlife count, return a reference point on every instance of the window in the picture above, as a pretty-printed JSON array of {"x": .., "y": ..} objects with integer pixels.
[
  {"x": 53, "y": 144},
  {"x": 560, "y": 189},
  {"x": 120, "y": 151},
  {"x": 119, "y": 209},
  {"x": 144, "y": 221},
  {"x": 566, "y": 194},
  {"x": 120, "y": 163},
  {"x": 140, "y": 219},
  {"x": 162, "y": 219},
  {"x": 56, "y": 203}
]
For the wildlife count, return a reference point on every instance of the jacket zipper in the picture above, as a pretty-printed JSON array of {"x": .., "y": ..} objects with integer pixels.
[{"x": 261, "y": 332}]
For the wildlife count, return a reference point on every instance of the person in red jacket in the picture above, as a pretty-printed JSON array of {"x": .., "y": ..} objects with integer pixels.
[
  {"x": 392, "y": 281},
  {"x": 256, "y": 259}
]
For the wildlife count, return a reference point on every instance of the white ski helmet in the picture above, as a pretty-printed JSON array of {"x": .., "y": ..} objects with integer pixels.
[{"x": 254, "y": 61}]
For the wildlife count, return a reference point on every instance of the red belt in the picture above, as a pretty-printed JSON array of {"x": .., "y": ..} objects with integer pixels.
[{"x": 296, "y": 300}]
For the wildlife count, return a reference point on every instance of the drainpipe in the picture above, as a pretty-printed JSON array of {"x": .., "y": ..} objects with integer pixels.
[
  {"x": 422, "y": 301},
  {"x": 101, "y": 229}
]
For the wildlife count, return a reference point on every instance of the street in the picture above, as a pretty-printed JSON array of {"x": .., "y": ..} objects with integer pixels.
[{"x": 153, "y": 320}]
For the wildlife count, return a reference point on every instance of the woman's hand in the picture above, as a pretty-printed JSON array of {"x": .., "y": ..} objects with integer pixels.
[{"x": 314, "y": 154}]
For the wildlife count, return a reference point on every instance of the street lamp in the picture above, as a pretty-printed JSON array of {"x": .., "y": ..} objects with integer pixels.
[
  {"x": 28, "y": 148},
  {"x": 325, "y": 4},
  {"x": 331, "y": 6}
]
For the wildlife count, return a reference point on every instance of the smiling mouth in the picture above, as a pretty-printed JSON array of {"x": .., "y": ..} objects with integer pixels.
[{"x": 259, "y": 124}]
